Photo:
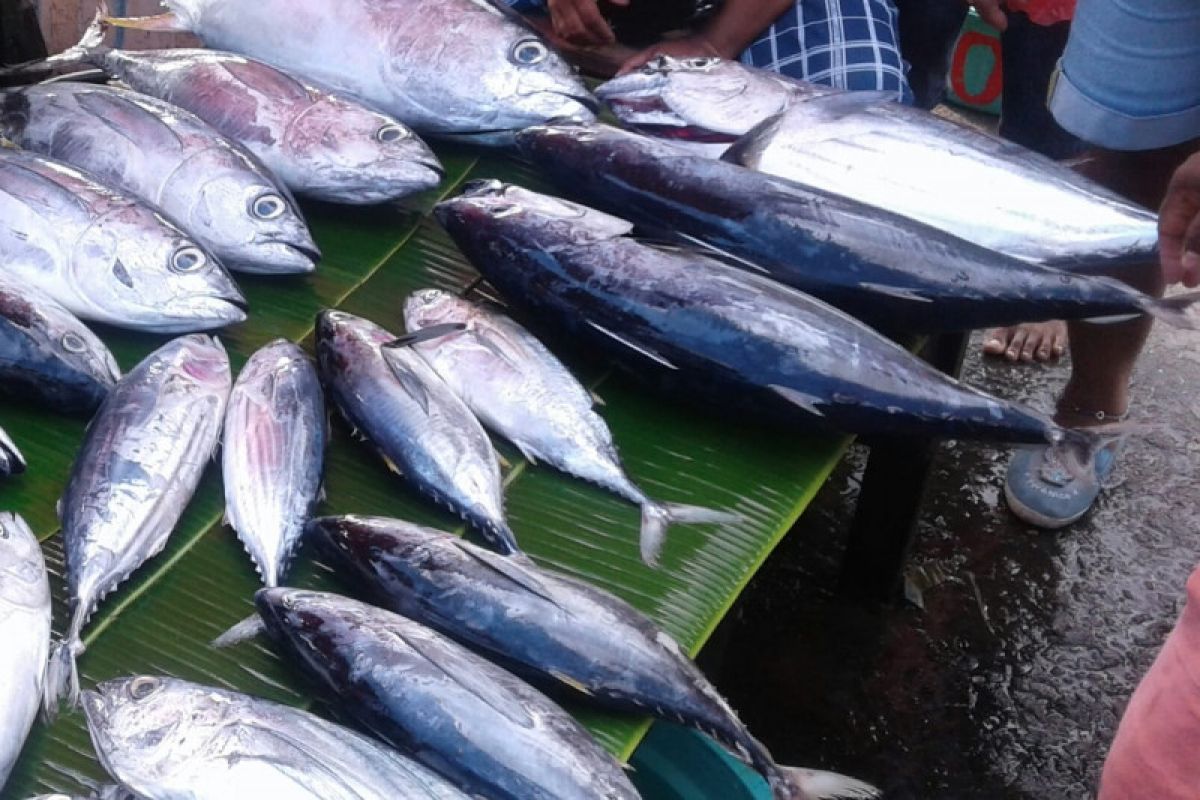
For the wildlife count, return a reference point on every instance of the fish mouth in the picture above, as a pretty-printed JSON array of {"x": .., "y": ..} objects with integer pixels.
[
  {"x": 279, "y": 258},
  {"x": 201, "y": 312}
]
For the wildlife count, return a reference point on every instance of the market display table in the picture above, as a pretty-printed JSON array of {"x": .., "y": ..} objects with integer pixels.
[{"x": 162, "y": 620}]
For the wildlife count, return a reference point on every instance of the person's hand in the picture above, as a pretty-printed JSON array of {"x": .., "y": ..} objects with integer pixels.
[
  {"x": 694, "y": 46},
  {"x": 580, "y": 22},
  {"x": 1179, "y": 225},
  {"x": 992, "y": 12}
]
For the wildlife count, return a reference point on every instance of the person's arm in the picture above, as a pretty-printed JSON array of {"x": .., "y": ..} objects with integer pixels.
[
  {"x": 736, "y": 25},
  {"x": 992, "y": 12},
  {"x": 580, "y": 23},
  {"x": 1179, "y": 225}
]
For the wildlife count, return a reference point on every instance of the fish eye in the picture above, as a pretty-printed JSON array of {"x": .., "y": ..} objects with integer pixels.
[
  {"x": 391, "y": 133},
  {"x": 529, "y": 52},
  {"x": 505, "y": 210},
  {"x": 72, "y": 343},
  {"x": 188, "y": 259},
  {"x": 141, "y": 688},
  {"x": 268, "y": 206},
  {"x": 700, "y": 62}
]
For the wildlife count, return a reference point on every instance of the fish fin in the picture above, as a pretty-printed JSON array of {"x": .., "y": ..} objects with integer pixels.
[
  {"x": 518, "y": 569},
  {"x": 392, "y": 465},
  {"x": 247, "y": 629},
  {"x": 645, "y": 351},
  {"x": 898, "y": 292},
  {"x": 725, "y": 256},
  {"x": 807, "y": 402},
  {"x": 62, "y": 678},
  {"x": 500, "y": 535},
  {"x": 500, "y": 346},
  {"x": 410, "y": 383},
  {"x": 425, "y": 334},
  {"x": 504, "y": 462},
  {"x": 1174, "y": 310},
  {"x": 597, "y": 400},
  {"x": 657, "y": 517},
  {"x": 567, "y": 680},
  {"x": 815, "y": 784},
  {"x": 170, "y": 22}
]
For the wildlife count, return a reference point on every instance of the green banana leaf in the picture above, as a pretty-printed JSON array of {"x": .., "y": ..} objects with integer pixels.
[{"x": 162, "y": 619}]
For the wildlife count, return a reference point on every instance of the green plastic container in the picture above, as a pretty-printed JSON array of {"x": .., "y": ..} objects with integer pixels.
[
  {"x": 676, "y": 763},
  {"x": 976, "y": 78}
]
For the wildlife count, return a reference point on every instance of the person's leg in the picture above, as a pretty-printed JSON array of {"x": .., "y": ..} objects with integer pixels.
[
  {"x": 848, "y": 44},
  {"x": 928, "y": 31}
]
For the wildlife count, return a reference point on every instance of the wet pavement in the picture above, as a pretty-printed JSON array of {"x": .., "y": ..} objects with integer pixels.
[{"x": 1010, "y": 680}]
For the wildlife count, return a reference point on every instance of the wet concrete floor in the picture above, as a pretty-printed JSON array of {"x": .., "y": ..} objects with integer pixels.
[{"x": 1010, "y": 680}]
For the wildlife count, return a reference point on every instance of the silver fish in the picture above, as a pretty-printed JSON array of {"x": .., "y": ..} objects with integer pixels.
[
  {"x": 138, "y": 467},
  {"x": 47, "y": 354},
  {"x": 419, "y": 426},
  {"x": 445, "y": 67},
  {"x": 104, "y": 255},
  {"x": 518, "y": 389},
  {"x": 168, "y": 739},
  {"x": 274, "y": 454},
  {"x": 12, "y": 462},
  {"x": 25, "y": 631},
  {"x": 206, "y": 183},
  {"x": 864, "y": 146},
  {"x": 320, "y": 144}
]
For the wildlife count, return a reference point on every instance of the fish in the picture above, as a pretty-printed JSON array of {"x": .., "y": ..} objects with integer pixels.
[
  {"x": 25, "y": 628},
  {"x": 47, "y": 355},
  {"x": 865, "y": 146},
  {"x": 517, "y": 388},
  {"x": 553, "y": 628},
  {"x": 274, "y": 454},
  {"x": 415, "y": 422},
  {"x": 321, "y": 145},
  {"x": 459, "y": 69},
  {"x": 892, "y": 271},
  {"x": 484, "y": 729},
  {"x": 138, "y": 466},
  {"x": 169, "y": 739},
  {"x": 708, "y": 330},
  {"x": 12, "y": 462},
  {"x": 208, "y": 184},
  {"x": 106, "y": 256}
]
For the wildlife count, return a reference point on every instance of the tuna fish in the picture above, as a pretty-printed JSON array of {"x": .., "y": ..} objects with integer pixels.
[
  {"x": 418, "y": 425},
  {"x": 320, "y": 144},
  {"x": 274, "y": 454},
  {"x": 864, "y": 146},
  {"x": 552, "y": 627},
  {"x": 879, "y": 266},
  {"x": 11, "y": 460},
  {"x": 25, "y": 628},
  {"x": 518, "y": 389},
  {"x": 168, "y": 739},
  {"x": 487, "y": 731},
  {"x": 137, "y": 469},
  {"x": 209, "y": 185},
  {"x": 710, "y": 330},
  {"x": 48, "y": 355},
  {"x": 446, "y": 67},
  {"x": 104, "y": 255}
]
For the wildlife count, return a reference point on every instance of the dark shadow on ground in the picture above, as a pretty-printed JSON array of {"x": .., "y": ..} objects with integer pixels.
[{"x": 1009, "y": 682}]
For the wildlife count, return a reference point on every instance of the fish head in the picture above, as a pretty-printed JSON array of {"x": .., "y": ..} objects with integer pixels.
[
  {"x": 426, "y": 307},
  {"x": 61, "y": 335},
  {"x": 253, "y": 223},
  {"x": 345, "y": 144},
  {"x": 23, "y": 580},
  {"x": 698, "y": 100},
  {"x": 304, "y": 616},
  {"x": 143, "y": 726},
  {"x": 344, "y": 341},
  {"x": 490, "y": 207},
  {"x": 202, "y": 362},
  {"x": 392, "y": 551},
  {"x": 134, "y": 264}
]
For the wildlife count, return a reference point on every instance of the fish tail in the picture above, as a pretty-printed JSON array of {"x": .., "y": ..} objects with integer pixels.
[
  {"x": 793, "y": 783},
  {"x": 1174, "y": 311},
  {"x": 657, "y": 517},
  {"x": 62, "y": 677},
  {"x": 248, "y": 628},
  {"x": 89, "y": 48}
]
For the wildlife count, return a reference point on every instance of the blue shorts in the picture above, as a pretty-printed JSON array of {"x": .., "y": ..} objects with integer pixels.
[
  {"x": 850, "y": 44},
  {"x": 1130, "y": 76}
]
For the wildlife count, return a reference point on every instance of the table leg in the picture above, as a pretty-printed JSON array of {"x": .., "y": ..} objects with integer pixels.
[{"x": 893, "y": 487}]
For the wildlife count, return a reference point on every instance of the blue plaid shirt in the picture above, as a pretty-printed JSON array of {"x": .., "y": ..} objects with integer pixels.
[{"x": 850, "y": 44}]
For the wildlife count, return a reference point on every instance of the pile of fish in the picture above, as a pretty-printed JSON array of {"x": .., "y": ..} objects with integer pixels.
[{"x": 749, "y": 281}]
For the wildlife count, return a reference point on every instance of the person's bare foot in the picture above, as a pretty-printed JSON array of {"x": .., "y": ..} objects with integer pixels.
[{"x": 1028, "y": 342}]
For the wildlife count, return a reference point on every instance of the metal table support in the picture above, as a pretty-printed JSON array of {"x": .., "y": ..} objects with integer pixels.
[{"x": 893, "y": 487}]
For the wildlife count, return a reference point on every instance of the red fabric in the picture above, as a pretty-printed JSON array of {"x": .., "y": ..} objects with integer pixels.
[
  {"x": 1044, "y": 12},
  {"x": 1156, "y": 752}
]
